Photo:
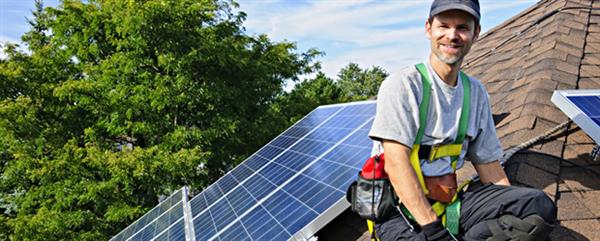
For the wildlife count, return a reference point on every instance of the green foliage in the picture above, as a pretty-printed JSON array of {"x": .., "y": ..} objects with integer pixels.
[
  {"x": 117, "y": 102},
  {"x": 358, "y": 84}
]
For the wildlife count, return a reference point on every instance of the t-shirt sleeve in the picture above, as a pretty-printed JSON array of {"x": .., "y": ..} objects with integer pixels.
[
  {"x": 485, "y": 147},
  {"x": 397, "y": 112}
]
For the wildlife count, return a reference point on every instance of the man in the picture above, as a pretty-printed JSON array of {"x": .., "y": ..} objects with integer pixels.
[{"x": 452, "y": 27}]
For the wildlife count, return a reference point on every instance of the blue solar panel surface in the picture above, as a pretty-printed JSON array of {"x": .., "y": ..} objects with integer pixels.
[
  {"x": 278, "y": 190},
  {"x": 154, "y": 221},
  {"x": 590, "y": 105},
  {"x": 175, "y": 232},
  {"x": 289, "y": 182}
]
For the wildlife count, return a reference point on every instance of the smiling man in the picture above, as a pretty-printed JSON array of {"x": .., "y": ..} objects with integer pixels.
[{"x": 430, "y": 118}]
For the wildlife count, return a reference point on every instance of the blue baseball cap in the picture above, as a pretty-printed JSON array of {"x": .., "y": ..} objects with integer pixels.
[{"x": 469, "y": 6}]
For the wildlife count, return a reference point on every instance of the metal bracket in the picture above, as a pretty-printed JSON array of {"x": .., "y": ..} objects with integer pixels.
[
  {"x": 190, "y": 234},
  {"x": 595, "y": 154}
]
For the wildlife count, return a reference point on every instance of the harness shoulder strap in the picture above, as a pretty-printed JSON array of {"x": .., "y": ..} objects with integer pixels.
[
  {"x": 463, "y": 123},
  {"x": 466, "y": 106},
  {"x": 424, "y": 105},
  {"x": 423, "y": 110}
]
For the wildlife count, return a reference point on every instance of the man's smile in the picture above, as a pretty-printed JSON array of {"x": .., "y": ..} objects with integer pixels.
[{"x": 451, "y": 48}]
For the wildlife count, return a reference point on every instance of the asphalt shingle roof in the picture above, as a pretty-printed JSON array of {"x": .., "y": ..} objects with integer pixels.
[{"x": 556, "y": 45}]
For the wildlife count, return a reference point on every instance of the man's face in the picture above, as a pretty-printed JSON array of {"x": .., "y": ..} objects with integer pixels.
[{"x": 452, "y": 33}]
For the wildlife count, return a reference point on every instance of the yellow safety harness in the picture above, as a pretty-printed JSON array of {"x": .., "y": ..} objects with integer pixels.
[{"x": 449, "y": 212}]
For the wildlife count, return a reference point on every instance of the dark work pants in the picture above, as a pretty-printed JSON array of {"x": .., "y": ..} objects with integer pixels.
[{"x": 478, "y": 205}]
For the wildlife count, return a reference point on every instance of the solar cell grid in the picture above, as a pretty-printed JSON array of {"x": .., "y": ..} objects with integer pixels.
[
  {"x": 212, "y": 194},
  {"x": 276, "y": 173},
  {"x": 174, "y": 233},
  {"x": 259, "y": 186},
  {"x": 240, "y": 200},
  {"x": 262, "y": 226},
  {"x": 150, "y": 216},
  {"x": 284, "y": 141},
  {"x": 256, "y": 161},
  {"x": 204, "y": 226},
  {"x": 310, "y": 192},
  {"x": 161, "y": 223},
  {"x": 222, "y": 214},
  {"x": 227, "y": 183},
  {"x": 590, "y": 105},
  {"x": 294, "y": 159},
  {"x": 287, "y": 209},
  {"x": 241, "y": 172},
  {"x": 297, "y": 131}
]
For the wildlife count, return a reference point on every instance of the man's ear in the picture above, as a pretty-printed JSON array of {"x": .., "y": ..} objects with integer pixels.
[
  {"x": 428, "y": 28},
  {"x": 476, "y": 34}
]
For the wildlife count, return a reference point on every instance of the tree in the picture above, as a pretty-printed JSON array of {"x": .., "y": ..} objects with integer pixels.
[
  {"x": 307, "y": 95},
  {"x": 359, "y": 84},
  {"x": 117, "y": 102}
]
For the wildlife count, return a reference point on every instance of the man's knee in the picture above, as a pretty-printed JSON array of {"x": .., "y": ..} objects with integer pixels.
[
  {"x": 397, "y": 229},
  {"x": 538, "y": 203}
]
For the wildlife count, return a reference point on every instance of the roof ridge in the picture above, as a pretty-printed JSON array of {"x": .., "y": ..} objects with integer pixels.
[{"x": 513, "y": 19}]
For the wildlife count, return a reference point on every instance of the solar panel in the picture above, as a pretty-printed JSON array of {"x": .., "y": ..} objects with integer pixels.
[
  {"x": 155, "y": 221},
  {"x": 288, "y": 189},
  {"x": 583, "y": 107}
]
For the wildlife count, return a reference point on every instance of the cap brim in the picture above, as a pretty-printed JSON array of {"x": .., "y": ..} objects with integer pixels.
[{"x": 455, "y": 7}]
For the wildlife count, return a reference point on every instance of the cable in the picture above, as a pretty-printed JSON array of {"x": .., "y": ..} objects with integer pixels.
[{"x": 511, "y": 151}]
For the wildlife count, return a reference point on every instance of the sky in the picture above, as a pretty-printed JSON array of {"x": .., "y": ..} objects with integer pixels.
[{"x": 385, "y": 33}]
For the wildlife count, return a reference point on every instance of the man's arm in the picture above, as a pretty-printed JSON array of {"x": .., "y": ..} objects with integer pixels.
[
  {"x": 405, "y": 182},
  {"x": 491, "y": 172}
]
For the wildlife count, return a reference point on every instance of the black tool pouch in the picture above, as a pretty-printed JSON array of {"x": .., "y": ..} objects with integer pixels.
[{"x": 373, "y": 199}]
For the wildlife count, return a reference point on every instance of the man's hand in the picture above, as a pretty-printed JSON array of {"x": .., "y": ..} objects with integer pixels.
[
  {"x": 405, "y": 182},
  {"x": 491, "y": 173},
  {"x": 436, "y": 232}
]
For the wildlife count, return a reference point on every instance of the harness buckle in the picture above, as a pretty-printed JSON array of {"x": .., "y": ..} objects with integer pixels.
[{"x": 433, "y": 152}]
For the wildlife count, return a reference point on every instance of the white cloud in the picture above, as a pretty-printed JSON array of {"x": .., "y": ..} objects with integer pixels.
[
  {"x": 331, "y": 20},
  {"x": 390, "y": 58},
  {"x": 4, "y": 40},
  {"x": 365, "y": 32},
  {"x": 389, "y": 34},
  {"x": 8, "y": 39}
]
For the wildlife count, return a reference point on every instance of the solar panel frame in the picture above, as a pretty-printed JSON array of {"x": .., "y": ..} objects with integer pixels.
[{"x": 589, "y": 124}]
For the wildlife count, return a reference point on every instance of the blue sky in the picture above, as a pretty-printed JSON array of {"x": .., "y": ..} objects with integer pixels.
[{"x": 389, "y": 34}]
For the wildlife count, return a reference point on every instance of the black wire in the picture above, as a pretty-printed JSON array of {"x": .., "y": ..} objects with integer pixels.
[{"x": 537, "y": 22}]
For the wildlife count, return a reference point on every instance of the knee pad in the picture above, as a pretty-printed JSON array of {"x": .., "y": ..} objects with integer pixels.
[{"x": 509, "y": 227}]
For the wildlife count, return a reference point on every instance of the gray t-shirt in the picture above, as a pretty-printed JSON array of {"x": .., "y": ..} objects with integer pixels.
[{"x": 397, "y": 118}]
